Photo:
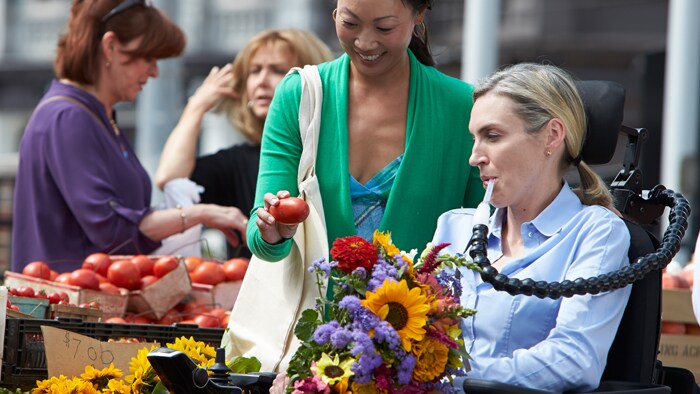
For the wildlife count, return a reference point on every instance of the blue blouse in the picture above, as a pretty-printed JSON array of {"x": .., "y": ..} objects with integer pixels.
[
  {"x": 369, "y": 200},
  {"x": 556, "y": 345}
]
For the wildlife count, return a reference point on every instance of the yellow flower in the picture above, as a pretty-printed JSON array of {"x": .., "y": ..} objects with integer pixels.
[
  {"x": 117, "y": 387},
  {"x": 369, "y": 388},
  {"x": 202, "y": 354},
  {"x": 431, "y": 358},
  {"x": 332, "y": 371},
  {"x": 405, "y": 310},
  {"x": 382, "y": 240},
  {"x": 100, "y": 377},
  {"x": 142, "y": 376},
  {"x": 342, "y": 387}
]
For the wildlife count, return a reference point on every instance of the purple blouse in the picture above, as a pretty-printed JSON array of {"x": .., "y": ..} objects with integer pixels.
[{"x": 80, "y": 189}]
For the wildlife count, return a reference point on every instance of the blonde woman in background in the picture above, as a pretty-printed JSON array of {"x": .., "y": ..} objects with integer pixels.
[{"x": 242, "y": 91}]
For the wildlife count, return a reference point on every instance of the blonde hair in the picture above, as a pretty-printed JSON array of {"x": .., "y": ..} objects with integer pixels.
[
  {"x": 542, "y": 92},
  {"x": 305, "y": 48}
]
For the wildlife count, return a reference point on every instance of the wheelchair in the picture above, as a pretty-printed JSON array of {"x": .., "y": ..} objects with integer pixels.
[{"x": 632, "y": 365}]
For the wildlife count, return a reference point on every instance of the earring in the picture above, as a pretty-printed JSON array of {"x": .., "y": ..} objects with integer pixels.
[
  {"x": 108, "y": 64},
  {"x": 335, "y": 14},
  {"x": 419, "y": 30},
  {"x": 549, "y": 152},
  {"x": 250, "y": 104}
]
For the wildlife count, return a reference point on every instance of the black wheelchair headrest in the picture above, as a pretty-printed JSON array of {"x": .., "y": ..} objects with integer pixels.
[{"x": 604, "y": 102}]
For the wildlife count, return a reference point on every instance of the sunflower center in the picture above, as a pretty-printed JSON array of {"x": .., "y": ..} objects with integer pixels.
[
  {"x": 397, "y": 316},
  {"x": 333, "y": 371}
]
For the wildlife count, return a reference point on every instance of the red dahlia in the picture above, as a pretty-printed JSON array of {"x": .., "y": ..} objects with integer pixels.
[{"x": 353, "y": 252}]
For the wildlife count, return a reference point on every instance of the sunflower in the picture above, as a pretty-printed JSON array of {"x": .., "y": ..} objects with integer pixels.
[
  {"x": 342, "y": 387},
  {"x": 117, "y": 387},
  {"x": 431, "y": 359},
  {"x": 406, "y": 310},
  {"x": 332, "y": 371},
  {"x": 201, "y": 353},
  {"x": 143, "y": 377},
  {"x": 100, "y": 377},
  {"x": 49, "y": 385}
]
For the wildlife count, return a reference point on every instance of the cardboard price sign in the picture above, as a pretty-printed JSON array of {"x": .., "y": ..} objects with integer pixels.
[{"x": 68, "y": 353}]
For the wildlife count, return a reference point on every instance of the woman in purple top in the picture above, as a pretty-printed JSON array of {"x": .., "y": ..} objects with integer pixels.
[{"x": 80, "y": 188}]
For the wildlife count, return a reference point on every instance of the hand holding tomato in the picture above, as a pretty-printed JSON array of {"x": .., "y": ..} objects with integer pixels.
[
  {"x": 290, "y": 210},
  {"x": 271, "y": 229}
]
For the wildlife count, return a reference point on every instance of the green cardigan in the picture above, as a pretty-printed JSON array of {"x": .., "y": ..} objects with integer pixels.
[{"x": 433, "y": 177}]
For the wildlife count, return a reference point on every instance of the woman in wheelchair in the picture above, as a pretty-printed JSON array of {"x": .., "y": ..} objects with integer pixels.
[{"x": 528, "y": 124}]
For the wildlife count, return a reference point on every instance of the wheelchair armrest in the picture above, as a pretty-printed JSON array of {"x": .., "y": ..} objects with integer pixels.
[{"x": 478, "y": 386}]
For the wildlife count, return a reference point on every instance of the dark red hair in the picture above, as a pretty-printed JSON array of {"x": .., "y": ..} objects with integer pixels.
[{"x": 78, "y": 52}]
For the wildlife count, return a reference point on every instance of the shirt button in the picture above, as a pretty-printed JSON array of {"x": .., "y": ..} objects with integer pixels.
[{"x": 529, "y": 234}]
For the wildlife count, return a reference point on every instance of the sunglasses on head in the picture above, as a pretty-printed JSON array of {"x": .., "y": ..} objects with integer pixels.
[{"x": 123, "y": 6}]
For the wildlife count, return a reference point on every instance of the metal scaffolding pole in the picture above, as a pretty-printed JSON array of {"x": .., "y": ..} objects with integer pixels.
[{"x": 480, "y": 38}]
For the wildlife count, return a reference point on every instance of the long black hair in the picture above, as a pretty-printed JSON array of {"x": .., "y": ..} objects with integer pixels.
[{"x": 420, "y": 45}]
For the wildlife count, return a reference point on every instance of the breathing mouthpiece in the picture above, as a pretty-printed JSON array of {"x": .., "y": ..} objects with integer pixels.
[{"x": 483, "y": 211}]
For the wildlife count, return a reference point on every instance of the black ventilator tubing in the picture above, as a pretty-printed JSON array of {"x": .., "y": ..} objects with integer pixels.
[{"x": 657, "y": 260}]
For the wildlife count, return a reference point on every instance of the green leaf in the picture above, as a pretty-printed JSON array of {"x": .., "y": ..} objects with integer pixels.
[
  {"x": 240, "y": 364},
  {"x": 306, "y": 326},
  {"x": 160, "y": 389}
]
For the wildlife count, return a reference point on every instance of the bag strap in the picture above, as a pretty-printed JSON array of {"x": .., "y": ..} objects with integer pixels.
[
  {"x": 309, "y": 118},
  {"x": 74, "y": 101}
]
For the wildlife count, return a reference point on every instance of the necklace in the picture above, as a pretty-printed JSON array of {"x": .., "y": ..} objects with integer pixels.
[{"x": 117, "y": 136}]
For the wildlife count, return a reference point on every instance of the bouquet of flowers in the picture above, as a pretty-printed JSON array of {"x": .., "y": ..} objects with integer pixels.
[{"x": 390, "y": 325}]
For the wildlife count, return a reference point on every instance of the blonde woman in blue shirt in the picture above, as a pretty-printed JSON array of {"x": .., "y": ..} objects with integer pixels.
[{"x": 528, "y": 124}]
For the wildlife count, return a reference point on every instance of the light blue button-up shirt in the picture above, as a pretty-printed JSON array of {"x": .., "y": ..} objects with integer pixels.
[{"x": 548, "y": 344}]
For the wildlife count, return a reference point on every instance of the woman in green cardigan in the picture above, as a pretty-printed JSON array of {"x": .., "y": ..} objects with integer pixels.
[{"x": 394, "y": 143}]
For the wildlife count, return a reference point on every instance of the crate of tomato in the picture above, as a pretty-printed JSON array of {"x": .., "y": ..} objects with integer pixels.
[
  {"x": 216, "y": 283},
  {"x": 81, "y": 287}
]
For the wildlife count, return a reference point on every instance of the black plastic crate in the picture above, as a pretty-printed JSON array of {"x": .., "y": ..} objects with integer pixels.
[{"x": 24, "y": 358}]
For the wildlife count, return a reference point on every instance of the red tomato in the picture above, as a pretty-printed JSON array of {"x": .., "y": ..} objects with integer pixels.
[
  {"x": 290, "y": 210},
  {"x": 235, "y": 268},
  {"x": 57, "y": 296},
  {"x": 209, "y": 273},
  {"x": 192, "y": 262},
  {"x": 164, "y": 265},
  {"x": 668, "y": 327},
  {"x": 25, "y": 291},
  {"x": 670, "y": 281},
  {"x": 37, "y": 269},
  {"x": 98, "y": 262},
  {"x": 221, "y": 314},
  {"x": 63, "y": 278},
  {"x": 124, "y": 273},
  {"x": 144, "y": 263},
  {"x": 170, "y": 317},
  {"x": 107, "y": 287},
  {"x": 53, "y": 275},
  {"x": 84, "y": 278},
  {"x": 192, "y": 309},
  {"x": 207, "y": 320},
  {"x": 116, "y": 320},
  {"x": 148, "y": 280}
]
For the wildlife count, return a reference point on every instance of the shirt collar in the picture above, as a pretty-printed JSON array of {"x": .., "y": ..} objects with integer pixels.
[{"x": 549, "y": 221}]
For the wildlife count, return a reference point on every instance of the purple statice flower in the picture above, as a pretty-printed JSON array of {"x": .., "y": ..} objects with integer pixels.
[
  {"x": 385, "y": 333},
  {"x": 323, "y": 333},
  {"x": 449, "y": 279},
  {"x": 404, "y": 371},
  {"x": 364, "y": 367},
  {"x": 341, "y": 338},
  {"x": 350, "y": 303},
  {"x": 362, "y": 343},
  {"x": 323, "y": 265},
  {"x": 443, "y": 387},
  {"x": 365, "y": 320},
  {"x": 360, "y": 272},
  {"x": 381, "y": 271}
]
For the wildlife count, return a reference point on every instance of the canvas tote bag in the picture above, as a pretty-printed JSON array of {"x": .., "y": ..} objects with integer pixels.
[{"x": 274, "y": 294}]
